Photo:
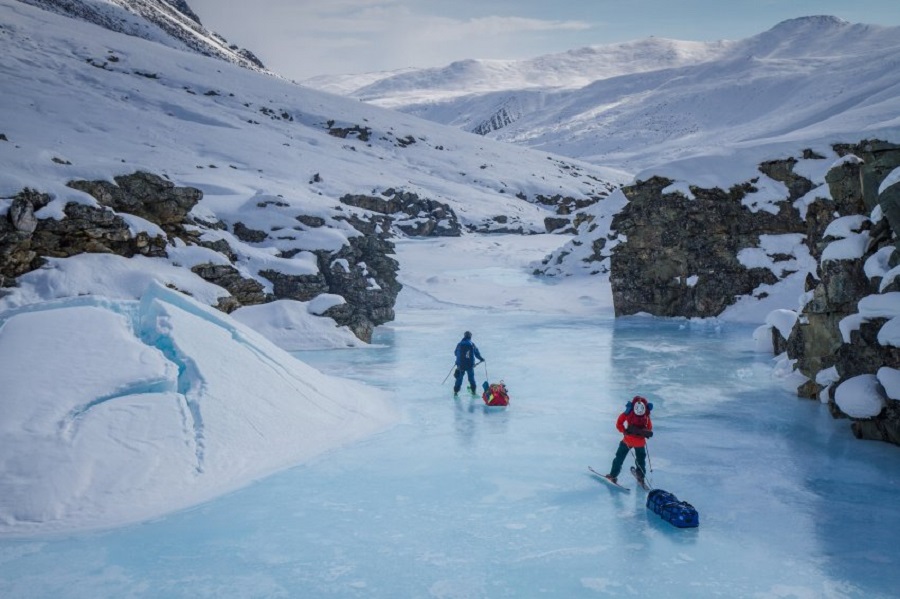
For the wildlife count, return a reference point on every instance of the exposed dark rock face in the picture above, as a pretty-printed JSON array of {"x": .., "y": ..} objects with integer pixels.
[
  {"x": 420, "y": 217},
  {"x": 362, "y": 272},
  {"x": 409, "y": 213},
  {"x": 146, "y": 195},
  {"x": 174, "y": 17},
  {"x": 557, "y": 224},
  {"x": 504, "y": 115},
  {"x": 25, "y": 240},
  {"x": 182, "y": 7},
  {"x": 816, "y": 341},
  {"x": 569, "y": 211},
  {"x": 245, "y": 233},
  {"x": 301, "y": 288},
  {"x": 676, "y": 256},
  {"x": 886, "y": 427},
  {"x": 680, "y": 258},
  {"x": 244, "y": 291}
]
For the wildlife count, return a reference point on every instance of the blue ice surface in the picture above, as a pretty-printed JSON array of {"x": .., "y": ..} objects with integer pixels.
[{"x": 459, "y": 500}]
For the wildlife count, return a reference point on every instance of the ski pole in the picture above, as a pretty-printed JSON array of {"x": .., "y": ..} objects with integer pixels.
[
  {"x": 634, "y": 457},
  {"x": 649, "y": 463},
  {"x": 448, "y": 374}
]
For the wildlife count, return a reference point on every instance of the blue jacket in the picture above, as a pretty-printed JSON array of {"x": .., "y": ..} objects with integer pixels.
[{"x": 465, "y": 353}]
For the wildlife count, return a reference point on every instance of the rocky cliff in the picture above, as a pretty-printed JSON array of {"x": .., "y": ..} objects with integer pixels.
[
  {"x": 173, "y": 18},
  {"x": 687, "y": 249},
  {"x": 694, "y": 252},
  {"x": 841, "y": 340},
  {"x": 362, "y": 271}
]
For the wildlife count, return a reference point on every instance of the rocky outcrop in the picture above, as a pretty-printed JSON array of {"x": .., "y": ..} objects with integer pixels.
[
  {"x": 505, "y": 115},
  {"x": 413, "y": 216},
  {"x": 569, "y": 211},
  {"x": 692, "y": 269},
  {"x": 364, "y": 274},
  {"x": 26, "y": 240},
  {"x": 146, "y": 195},
  {"x": 243, "y": 291},
  {"x": 675, "y": 252},
  {"x": 835, "y": 342},
  {"x": 410, "y": 214},
  {"x": 173, "y": 17},
  {"x": 362, "y": 271}
]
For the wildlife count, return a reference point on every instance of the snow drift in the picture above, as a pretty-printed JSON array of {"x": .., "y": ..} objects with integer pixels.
[{"x": 118, "y": 410}]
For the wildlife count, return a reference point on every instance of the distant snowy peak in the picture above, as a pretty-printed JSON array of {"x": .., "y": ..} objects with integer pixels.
[
  {"x": 819, "y": 36},
  {"x": 169, "y": 22},
  {"x": 345, "y": 85},
  {"x": 592, "y": 63},
  {"x": 567, "y": 70},
  {"x": 804, "y": 37}
]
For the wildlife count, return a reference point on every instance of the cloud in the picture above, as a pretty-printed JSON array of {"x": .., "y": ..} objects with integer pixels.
[
  {"x": 392, "y": 35},
  {"x": 304, "y": 38},
  {"x": 483, "y": 27}
]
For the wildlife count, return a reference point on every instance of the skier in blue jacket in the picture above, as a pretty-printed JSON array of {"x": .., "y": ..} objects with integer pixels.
[{"x": 465, "y": 353}]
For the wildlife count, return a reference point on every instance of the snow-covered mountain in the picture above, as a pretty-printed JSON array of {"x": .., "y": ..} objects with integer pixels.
[
  {"x": 93, "y": 104},
  {"x": 567, "y": 70},
  {"x": 142, "y": 186},
  {"x": 170, "y": 22},
  {"x": 648, "y": 102},
  {"x": 749, "y": 157}
]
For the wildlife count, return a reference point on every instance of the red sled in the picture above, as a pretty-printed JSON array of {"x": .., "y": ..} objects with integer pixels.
[{"x": 495, "y": 395}]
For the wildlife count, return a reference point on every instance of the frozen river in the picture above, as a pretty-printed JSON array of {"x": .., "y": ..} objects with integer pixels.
[{"x": 457, "y": 501}]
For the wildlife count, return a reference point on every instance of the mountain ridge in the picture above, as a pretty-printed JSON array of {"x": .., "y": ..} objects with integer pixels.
[
  {"x": 164, "y": 21},
  {"x": 778, "y": 84},
  {"x": 295, "y": 194}
]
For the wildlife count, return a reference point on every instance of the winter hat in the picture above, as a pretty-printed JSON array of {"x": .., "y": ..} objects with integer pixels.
[{"x": 467, "y": 335}]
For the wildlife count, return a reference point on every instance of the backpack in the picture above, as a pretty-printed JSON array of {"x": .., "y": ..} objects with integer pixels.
[{"x": 466, "y": 353}]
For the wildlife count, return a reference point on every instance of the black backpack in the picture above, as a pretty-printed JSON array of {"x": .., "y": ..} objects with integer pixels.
[{"x": 466, "y": 354}]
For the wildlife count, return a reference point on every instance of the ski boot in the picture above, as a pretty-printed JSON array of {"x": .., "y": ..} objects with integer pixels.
[{"x": 639, "y": 476}]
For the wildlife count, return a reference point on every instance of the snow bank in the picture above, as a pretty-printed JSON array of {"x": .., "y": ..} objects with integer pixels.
[
  {"x": 851, "y": 242},
  {"x": 106, "y": 275},
  {"x": 890, "y": 380},
  {"x": 860, "y": 396},
  {"x": 294, "y": 326},
  {"x": 884, "y": 305},
  {"x": 889, "y": 334},
  {"x": 145, "y": 407}
]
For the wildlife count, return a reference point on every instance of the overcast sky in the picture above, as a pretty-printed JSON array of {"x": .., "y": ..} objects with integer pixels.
[{"x": 304, "y": 38}]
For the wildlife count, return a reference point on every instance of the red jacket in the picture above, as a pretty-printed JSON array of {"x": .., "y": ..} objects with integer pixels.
[{"x": 634, "y": 421}]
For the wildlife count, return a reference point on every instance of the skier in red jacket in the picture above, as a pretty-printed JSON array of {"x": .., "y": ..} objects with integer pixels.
[{"x": 635, "y": 424}]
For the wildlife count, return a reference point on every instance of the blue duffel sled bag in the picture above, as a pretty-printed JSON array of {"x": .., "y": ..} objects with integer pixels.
[{"x": 677, "y": 513}]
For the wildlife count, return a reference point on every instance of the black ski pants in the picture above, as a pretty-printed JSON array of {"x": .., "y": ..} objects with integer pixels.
[{"x": 640, "y": 459}]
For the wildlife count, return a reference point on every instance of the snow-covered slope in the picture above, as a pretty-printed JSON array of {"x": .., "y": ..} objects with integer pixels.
[
  {"x": 806, "y": 80},
  {"x": 566, "y": 70},
  {"x": 142, "y": 407},
  {"x": 81, "y": 89},
  {"x": 123, "y": 399},
  {"x": 93, "y": 104},
  {"x": 170, "y": 22}
]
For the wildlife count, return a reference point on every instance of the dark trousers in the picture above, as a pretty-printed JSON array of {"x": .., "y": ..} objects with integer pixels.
[
  {"x": 460, "y": 373},
  {"x": 640, "y": 459}
]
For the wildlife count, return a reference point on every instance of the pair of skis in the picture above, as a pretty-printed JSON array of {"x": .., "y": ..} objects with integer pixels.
[{"x": 641, "y": 482}]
